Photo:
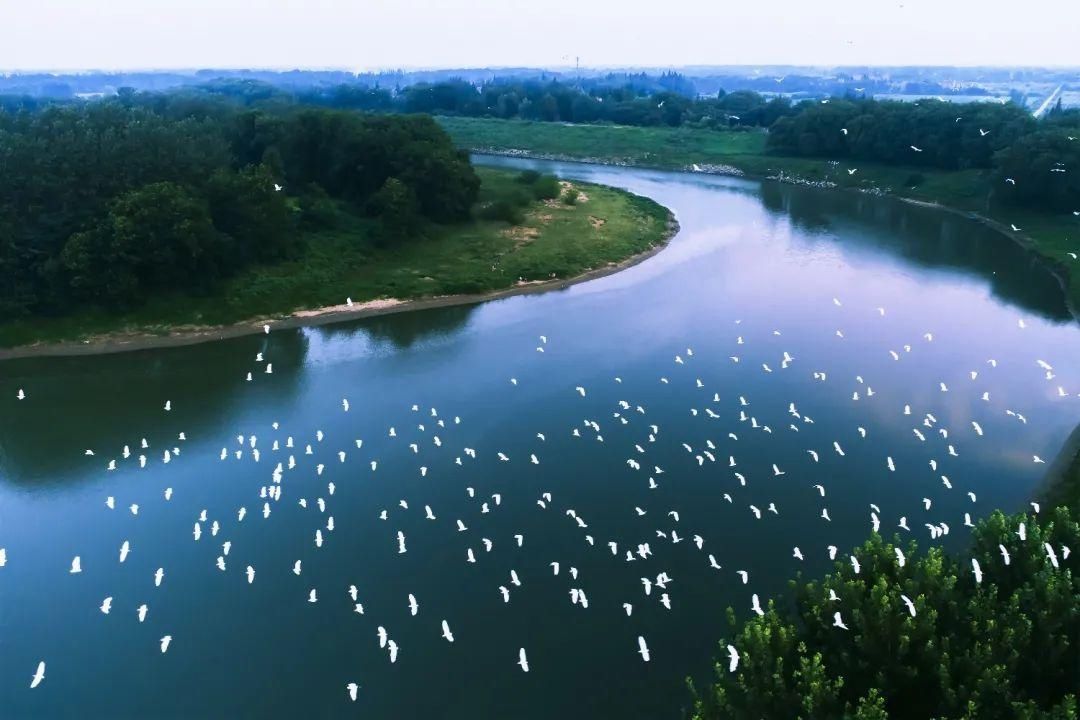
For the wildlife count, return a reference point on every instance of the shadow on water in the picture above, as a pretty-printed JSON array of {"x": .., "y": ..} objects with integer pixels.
[
  {"x": 925, "y": 237},
  {"x": 132, "y": 388},
  {"x": 403, "y": 330},
  {"x": 72, "y": 395}
]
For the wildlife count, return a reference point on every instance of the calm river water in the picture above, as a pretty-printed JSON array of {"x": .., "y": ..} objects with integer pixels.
[{"x": 758, "y": 270}]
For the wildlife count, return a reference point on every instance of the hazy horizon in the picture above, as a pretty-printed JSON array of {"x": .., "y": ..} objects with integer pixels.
[
  {"x": 126, "y": 35},
  {"x": 404, "y": 68}
]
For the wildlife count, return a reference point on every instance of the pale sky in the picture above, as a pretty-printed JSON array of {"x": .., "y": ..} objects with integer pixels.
[{"x": 371, "y": 34}]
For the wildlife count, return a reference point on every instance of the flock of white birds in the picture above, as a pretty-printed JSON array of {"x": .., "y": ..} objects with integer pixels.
[{"x": 627, "y": 422}]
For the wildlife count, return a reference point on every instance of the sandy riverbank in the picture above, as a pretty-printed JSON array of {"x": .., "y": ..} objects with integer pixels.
[{"x": 193, "y": 335}]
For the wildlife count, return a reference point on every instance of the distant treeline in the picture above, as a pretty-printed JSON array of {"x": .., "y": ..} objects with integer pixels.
[
  {"x": 1035, "y": 163},
  {"x": 626, "y": 105},
  {"x": 689, "y": 81},
  {"x": 631, "y": 100},
  {"x": 109, "y": 201}
]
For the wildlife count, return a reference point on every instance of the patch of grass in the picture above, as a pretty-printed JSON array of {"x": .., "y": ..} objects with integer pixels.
[
  {"x": 681, "y": 148},
  {"x": 549, "y": 240},
  {"x": 642, "y": 146}
]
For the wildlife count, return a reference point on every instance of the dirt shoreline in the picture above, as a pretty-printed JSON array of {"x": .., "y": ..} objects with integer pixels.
[{"x": 183, "y": 335}]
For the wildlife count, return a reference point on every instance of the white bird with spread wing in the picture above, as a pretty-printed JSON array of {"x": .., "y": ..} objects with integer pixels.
[
  {"x": 910, "y": 605},
  {"x": 643, "y": 649},
  {"x": 733, "y": 658},
  {"x": 39, "y": 675}
]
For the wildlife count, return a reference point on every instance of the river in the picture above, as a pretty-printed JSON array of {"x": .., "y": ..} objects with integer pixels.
[{"x": 758, "y": 270}]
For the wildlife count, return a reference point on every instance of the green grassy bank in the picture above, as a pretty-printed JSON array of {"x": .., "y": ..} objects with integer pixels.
[
  {"x": 548, "y": 239},
  {"x": 681, "y": 148}
]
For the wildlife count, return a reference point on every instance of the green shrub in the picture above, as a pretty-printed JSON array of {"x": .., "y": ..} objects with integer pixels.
[
  {"x": 546, "y": 188},
  {"x": 570, "y": 197}
]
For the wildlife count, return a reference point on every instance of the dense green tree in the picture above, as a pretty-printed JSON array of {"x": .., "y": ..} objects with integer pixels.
[
  {"x": 250, "y": 208},
  {"x": 948, "y": 136},
  {"x": 1007, "y": 646},
  {"x": 158, "y": 237},
  {"x": 396, "y": 205},
  {"x": 1041, "y": 170}
]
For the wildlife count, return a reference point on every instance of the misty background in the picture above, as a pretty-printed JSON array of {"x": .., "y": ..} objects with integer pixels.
[{"x": 370, "y": 35}]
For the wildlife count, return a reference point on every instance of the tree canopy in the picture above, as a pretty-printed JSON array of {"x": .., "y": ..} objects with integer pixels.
[
  {"x": 110, "y": 201},
  {"x": 1042, "y": 170},
  {"x": 946, "y": 135},
  {"x": 667, "y": 99},
  {"x": 1007, "y": 646},
  {"x": 1003, "y": 138}
]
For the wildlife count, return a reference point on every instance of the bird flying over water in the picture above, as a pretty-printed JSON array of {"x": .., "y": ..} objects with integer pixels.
[
  {"x": 39, "y": 675},
  {"x": 643, "y": 649}
]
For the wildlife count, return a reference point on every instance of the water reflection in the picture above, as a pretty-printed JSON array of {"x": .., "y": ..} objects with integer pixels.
[
  {"x": 71, "y": 395},
  {"x": 405, "y": 330},
  {"x": 923, "y": 237}
]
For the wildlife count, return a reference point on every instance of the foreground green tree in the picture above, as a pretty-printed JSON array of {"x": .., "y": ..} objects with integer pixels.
[{"x": 1007, "y": 646}]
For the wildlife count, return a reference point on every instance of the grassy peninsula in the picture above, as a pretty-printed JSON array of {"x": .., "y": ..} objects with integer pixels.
[
  {"x": 151, "y": 214},
  {"x": 1053, "y": 235},
  {"x": 584, "y": 227}
]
